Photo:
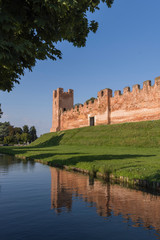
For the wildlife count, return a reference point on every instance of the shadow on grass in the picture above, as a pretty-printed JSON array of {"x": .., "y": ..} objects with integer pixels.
[
  {"x": 154, "y": 177},
  {"x": 13, "y": 150},
  {"x": 44, "y": 156},
  {"x": 72, "y": 158},
  {"x": 90, "y": 158},
  {"x": 53, "y": 141}
]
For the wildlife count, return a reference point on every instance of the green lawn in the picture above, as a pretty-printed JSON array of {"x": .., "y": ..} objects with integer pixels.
[{"x": 130, "y": 150}]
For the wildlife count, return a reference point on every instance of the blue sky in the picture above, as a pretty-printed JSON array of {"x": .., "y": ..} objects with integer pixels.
[{"x": 124, "y": 51}]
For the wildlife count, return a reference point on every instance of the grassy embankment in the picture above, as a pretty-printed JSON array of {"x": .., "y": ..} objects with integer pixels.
[{"x": 130, "y": 150}]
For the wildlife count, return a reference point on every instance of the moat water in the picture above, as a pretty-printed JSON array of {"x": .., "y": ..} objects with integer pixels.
[{"x": 41, "y": 202}]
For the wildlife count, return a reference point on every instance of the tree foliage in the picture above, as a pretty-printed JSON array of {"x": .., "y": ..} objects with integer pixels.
[
  {"x": 30, "y": 29},
  {"x": 25, "y": 137},
  {"x": 4, "y": 130},
  {"x": 8, "y": 139},
  {"x": 15, "y": 135},
  {"x": 25, "y": 129},
  {"x": 77, "y": 105},
  {"x": 33, "y": 133},
  {"x": 91, "y": 99}
]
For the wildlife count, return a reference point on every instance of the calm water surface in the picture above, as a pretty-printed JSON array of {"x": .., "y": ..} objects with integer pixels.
[{"x": 40, "y": 202}]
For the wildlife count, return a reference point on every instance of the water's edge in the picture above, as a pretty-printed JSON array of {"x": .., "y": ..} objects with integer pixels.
[{"x": 135, "y": 183}]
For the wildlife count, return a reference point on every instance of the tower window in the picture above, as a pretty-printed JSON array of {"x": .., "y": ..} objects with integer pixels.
[{"x": 102, "y": 93}]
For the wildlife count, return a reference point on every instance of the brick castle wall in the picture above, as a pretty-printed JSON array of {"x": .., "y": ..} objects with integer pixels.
[{"x": 131, "y": 106}]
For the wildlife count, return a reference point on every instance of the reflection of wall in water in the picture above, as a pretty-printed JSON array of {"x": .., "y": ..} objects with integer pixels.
[{"x": 133, "y": 204}]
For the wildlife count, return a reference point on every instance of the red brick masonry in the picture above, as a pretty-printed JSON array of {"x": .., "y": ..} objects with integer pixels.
[{"x": 131, "y": 106}]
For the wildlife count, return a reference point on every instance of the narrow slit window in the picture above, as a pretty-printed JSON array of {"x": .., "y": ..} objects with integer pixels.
[{"x": 102, "y": 93}]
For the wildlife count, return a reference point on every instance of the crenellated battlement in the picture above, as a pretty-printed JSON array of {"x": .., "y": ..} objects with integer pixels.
[
  {"x": 91, "y": 104},
  {"x": 138, "y": 104},
  {"x": 147, "y": 86},
  {"x": 105, "y": 92},
  {"x": 117, "y": 93},
  {"x": 157, "y": 81},
  {"x": 62, "y": 101},
  {"x": 126, "y": 90},
  {"x": 60, "y": 92}
]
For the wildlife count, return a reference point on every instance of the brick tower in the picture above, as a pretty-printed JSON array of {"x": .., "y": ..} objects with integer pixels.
[{"x": 62, "y": 101}]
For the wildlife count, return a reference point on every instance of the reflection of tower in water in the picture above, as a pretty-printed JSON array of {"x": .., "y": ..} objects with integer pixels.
[
  {"x": 141, "y": 208},
  {"x": 66, "y": 184},
  {"x": 60, "y": 197}
]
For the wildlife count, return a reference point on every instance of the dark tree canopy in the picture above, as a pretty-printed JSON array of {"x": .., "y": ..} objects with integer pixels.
[
  {"x": 0, "y": 111},
  {"x": 25, "y": 129},
  {"x": 4, "y": 131},
  {"x": 77, "y": 105},
  {"x": 33, "y": 133},
  {"x": 16, "y": 135},
  {"x": 91, "y": 99},
  {"x": 29, "y": 30}
]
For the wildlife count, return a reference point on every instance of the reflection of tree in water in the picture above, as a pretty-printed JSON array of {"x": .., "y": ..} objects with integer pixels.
[
  {"x": 109, "y": 210},
  {"x": 8, "y": 161},
  {"x": 137, "y": 208}
]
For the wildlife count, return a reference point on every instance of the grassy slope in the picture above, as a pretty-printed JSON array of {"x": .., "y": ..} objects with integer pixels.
[
  {"x": 142, "y": 134},
  {"x": 130, "y": 149}
]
